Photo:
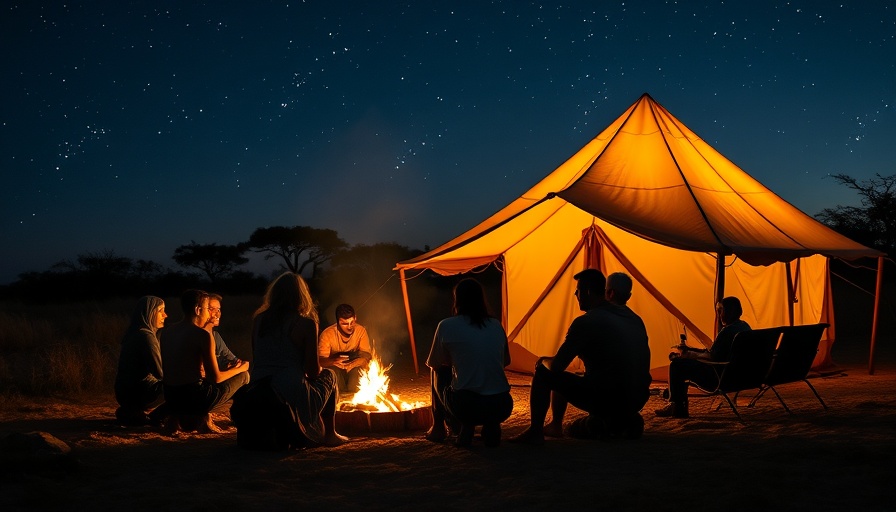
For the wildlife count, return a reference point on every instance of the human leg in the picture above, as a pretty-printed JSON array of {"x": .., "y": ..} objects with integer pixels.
[
  {"x": 559, "y": 404},
  {"x": 681, "y": 371},
  {"x": 222, "y": 391},
  {"x": 353, "y": 380},
  {"x": 342, "y": 381},
  {"x": 328, "y": 411},
  {"x": 539, "y": 402},
  {"x": 498, "y": 408},
  {"x": 440, "y": 381}
]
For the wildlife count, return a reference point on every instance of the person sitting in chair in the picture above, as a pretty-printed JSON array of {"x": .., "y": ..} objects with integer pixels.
[{"x": 689, "y": 365}]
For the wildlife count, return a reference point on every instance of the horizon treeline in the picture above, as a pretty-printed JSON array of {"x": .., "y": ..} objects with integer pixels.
[{"x": 316, "y": 254}]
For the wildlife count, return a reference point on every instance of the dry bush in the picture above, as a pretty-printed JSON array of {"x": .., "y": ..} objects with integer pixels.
[{"x": 61, "y": 348}]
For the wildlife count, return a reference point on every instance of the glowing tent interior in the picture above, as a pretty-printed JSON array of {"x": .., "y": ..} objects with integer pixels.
[{"x": 648, "y": 197}]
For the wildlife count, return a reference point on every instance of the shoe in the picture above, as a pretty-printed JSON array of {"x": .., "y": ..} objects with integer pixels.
[
  {"x": 673, "y": 410},
  {"x": 491, "y": 435}
]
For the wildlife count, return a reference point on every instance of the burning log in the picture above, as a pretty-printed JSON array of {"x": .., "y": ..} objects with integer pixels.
[{"x": 388, "y": 400}]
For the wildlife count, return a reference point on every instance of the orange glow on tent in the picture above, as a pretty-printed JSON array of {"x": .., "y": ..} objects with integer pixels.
[{"x": 650, "y": 198}]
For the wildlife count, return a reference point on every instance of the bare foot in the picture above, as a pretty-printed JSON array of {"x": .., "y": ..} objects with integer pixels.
[
  {"x": 436, "y": 435},
  {"x": 209, "y": 427},
  {"x": 335, "y": 439},
  {"x": 529, "y": 437},
  {"x": 553, "y": 430}
]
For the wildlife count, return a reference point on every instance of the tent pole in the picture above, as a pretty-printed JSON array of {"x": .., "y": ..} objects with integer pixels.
[
  {"x": 720, "y": 288},
  {"x": 790, "y": 290},
  {"x": 407, "y": 312},
  {"x": 880, "y": 282}
]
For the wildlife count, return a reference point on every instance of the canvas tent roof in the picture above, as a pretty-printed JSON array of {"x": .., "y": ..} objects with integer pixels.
[{"x": 647, "y": 196}]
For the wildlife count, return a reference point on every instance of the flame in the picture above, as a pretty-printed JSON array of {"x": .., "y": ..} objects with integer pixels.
[{"x": 373, "y": 391}]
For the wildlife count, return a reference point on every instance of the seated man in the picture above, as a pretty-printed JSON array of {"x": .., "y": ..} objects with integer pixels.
[
  {"x": 194, "y": 385},
  {"x": 226, "y": 358},
  {"x": 689, "y": 365},
  {"x": 611, "y": 341},
  {"x": 345, "y": 348}
]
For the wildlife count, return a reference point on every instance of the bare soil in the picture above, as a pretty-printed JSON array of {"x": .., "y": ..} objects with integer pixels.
[{"x": 814, "y": 459}]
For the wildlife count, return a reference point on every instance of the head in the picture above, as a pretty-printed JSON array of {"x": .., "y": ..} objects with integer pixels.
[
  {"x": 729, "y": 310},
  {"x": 287, "y": 294},
  {"x": 619, "y": 288},
  {"x": 149, "y": 313},
  {"x": 469, "y": 300},
  {"x": 214, "y": 311},
  {"x": 194, "y": 305},
  {"x": 345, "y": 319},
  {"x": 590, "y": 288}
]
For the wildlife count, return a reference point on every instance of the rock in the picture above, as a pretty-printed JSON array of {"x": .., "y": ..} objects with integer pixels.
[{"x": 36, "y": 452}]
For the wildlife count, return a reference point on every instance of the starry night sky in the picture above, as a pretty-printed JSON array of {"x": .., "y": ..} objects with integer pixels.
[{"x": 138, "y": 126}]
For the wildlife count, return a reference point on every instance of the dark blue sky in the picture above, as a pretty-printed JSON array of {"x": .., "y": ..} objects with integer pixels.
[{"x": 141, "y": 126}]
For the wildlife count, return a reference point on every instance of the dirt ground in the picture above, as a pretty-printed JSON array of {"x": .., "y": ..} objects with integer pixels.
[{"x": 841, "y": 458}]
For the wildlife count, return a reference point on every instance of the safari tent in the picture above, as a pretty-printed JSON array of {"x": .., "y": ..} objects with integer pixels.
[{"x": 650, "y": 198}]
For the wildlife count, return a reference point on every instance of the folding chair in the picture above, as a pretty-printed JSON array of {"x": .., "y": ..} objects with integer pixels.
[
  {"x": 750, "y": 361},
  {"x": 793, "y": 360}
]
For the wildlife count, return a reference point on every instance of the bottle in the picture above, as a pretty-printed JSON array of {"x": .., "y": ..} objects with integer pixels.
[{"x": 683, "y": 342}]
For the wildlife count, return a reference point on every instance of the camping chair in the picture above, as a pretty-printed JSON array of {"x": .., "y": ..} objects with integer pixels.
[
  {"x": 793, "y": 360},
  {"x": 750, "y": 361}
]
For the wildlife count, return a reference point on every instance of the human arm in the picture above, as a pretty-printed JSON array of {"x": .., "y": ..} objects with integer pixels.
[
  {"x": 325, "y": 355},
  {"x": 438, "y": 356},
  {"x": 225, "y": 357},
  {"x": 210, "y": 363},
  {"x": 361, "y": 355},
  {"x": 303, "y": 335},
  {"x": 151, "y": 355},
  {"x": 570, "y": 348}
]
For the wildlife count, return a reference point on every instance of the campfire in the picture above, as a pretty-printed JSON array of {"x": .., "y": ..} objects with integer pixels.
[{"x": 373, "y": 392}]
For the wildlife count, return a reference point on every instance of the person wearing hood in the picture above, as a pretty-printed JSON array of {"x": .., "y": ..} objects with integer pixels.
[{"x": 138, "y": 382}]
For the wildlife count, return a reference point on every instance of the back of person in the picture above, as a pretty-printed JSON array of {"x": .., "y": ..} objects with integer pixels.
[
  {"x": 619, "y": 358},
  {"x": 477, "y": 354},
  {"x": 273, "y": 353},
  {"x": 181, "y": 354}
]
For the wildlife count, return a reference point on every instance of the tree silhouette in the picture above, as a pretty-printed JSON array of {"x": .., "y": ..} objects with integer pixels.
[
  {"x": 216, "y": 261},
  {"x": 298, "y": 246},
  {"x": 874, "y": 222}
]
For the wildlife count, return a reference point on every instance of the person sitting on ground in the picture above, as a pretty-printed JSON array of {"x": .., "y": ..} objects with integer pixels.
[
  {"x": 467, "y": 360},
  {"x": 618, "y": 291},
  {"x": 138, "y": 382},
  {"x": 284, "y": 345},
  {"x": 226, "y": 358},
  {"x": 194, "y": 384},
  {"x": 611, "y": 341},
  {"x": 344, "y": 347},
  {"x": 690, "y": 365}
]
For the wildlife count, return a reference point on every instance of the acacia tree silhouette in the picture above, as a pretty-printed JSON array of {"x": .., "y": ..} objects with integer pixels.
[
  {"x": 297, "y": 246},
  {"x": 216, "y": 261},
  {"x": 874, "y": 222}
]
